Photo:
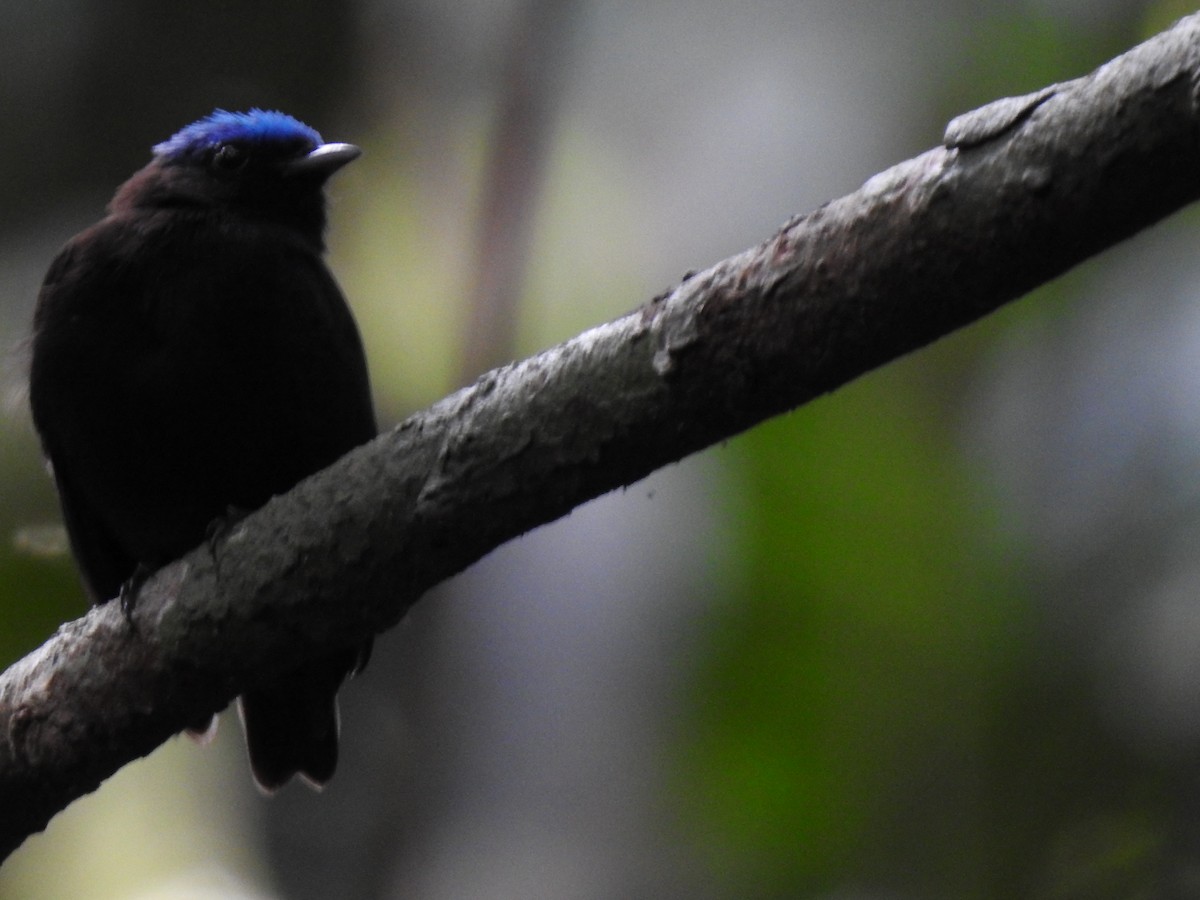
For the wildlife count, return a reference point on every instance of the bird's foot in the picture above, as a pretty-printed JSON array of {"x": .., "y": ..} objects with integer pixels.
[{"x": 130, "y": 588}]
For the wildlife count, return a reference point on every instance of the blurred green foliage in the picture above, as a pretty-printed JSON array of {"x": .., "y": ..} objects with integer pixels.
[{"x": 851, "y": 673}]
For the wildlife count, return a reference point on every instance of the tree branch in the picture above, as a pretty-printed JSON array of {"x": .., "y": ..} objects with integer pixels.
[{"x": 1021, "y": 191}]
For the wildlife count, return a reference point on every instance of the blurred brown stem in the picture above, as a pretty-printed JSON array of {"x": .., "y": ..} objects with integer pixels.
[{"x": 531, "y": 85}]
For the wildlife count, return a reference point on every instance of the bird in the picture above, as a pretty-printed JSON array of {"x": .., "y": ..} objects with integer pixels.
[{"x": 192, "y": 356}]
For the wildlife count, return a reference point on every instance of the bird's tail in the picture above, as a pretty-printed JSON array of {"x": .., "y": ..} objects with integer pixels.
[{"x": 291, "y": 725}]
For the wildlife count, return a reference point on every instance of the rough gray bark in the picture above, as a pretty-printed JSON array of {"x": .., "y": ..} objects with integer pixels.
[{"x": 1021, "y": 191}]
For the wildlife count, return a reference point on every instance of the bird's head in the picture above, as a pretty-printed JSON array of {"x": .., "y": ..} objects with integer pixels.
[{"x": 260, "y": 164}]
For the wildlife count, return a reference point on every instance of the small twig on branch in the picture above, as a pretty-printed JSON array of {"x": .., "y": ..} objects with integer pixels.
[{"x": 1021, "y": 191}]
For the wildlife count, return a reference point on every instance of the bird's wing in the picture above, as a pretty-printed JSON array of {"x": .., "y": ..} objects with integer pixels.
[{"x": 105, "y": 565}]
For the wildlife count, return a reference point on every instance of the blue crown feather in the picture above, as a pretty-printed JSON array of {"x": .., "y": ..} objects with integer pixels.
[{"x": 257, "y": 125}]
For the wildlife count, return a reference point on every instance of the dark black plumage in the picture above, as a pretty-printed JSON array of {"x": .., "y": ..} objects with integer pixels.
[{"x": 192, "y": 354}]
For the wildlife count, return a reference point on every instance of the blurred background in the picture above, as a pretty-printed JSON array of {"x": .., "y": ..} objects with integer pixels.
[{"x": 936, "y": 635}]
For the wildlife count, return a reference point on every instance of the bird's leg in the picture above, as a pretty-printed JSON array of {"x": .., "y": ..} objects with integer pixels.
[
  {"x": 130, "y": 587},
  {"x": 219, "y": 528}
]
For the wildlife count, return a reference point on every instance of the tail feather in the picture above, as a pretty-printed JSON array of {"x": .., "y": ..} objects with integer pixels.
[{"x": 291, "y": 724}]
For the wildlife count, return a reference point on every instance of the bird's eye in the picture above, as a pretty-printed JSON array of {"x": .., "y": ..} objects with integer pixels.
[{"x": 230, "y": 158}]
